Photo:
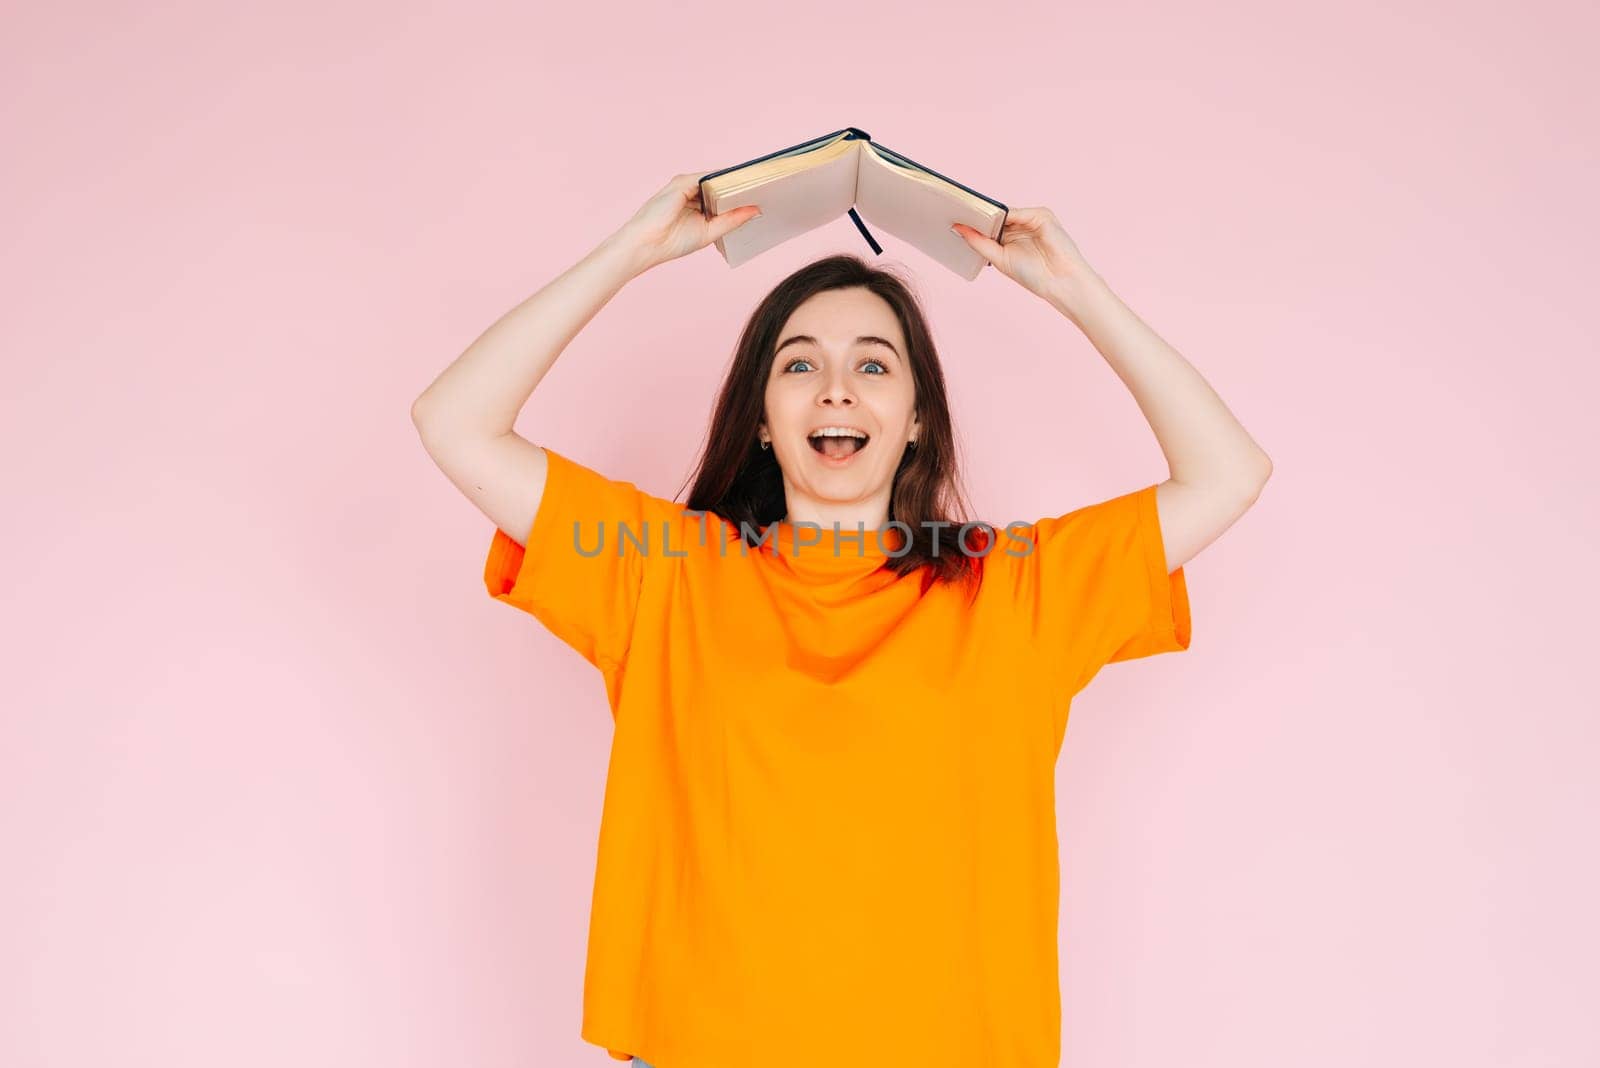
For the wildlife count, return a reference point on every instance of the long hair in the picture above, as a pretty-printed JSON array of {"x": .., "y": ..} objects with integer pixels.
[{"x": 742, "y": 483}]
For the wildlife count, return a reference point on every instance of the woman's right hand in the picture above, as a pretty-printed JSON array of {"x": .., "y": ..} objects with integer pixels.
[{"x": 672, "y": 223}]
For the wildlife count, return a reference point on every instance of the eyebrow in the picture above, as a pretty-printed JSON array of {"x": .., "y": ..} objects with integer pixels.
[{"x": 864, "y": 339}]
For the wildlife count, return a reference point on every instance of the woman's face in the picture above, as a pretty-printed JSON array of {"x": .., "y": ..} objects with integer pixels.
[{"x": 841, "y": 362}]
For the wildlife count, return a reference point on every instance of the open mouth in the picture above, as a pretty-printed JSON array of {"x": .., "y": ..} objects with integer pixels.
[{"x": 838, "y": 445}]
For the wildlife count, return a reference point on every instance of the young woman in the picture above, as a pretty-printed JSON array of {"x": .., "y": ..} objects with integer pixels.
[{"x": 829, "y": 835}]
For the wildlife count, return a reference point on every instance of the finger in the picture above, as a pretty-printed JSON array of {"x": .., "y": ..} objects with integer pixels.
[
  {"x": 690, "y": 181},
  {"x": 989, "y": 250},
  {"x": 686, "y": 186},
  {"x": 731, "y": 219}
]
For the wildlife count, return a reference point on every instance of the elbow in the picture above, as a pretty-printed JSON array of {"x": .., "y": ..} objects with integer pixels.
[
  {"x": 1260, "y": 469},
  {"x": 1263, "y": 468},
  {"x": 1243, "y": 479},
  {"x": 422, "y": 412},
  {"x": 438, "y": 425},
  {"x": 427, "y": 422}
]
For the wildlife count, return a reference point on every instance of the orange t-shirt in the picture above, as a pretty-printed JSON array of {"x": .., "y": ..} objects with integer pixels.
[{"x": 828, "y": 834}]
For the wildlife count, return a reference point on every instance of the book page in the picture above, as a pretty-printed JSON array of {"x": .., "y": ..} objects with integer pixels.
[
  {"x": 791, "y": 203},
  {"x": 918, "y": 208}
]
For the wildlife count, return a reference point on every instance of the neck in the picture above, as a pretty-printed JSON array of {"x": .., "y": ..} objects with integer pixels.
[{"x": 869, "y": 515}]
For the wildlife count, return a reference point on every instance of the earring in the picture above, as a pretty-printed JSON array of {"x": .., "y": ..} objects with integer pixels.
[
  {"x": 766, "y": 444},
  {"x": 911, "y": 444}
]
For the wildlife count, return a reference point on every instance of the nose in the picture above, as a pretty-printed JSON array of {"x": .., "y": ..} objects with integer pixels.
[{"x": 837, "y": 392}]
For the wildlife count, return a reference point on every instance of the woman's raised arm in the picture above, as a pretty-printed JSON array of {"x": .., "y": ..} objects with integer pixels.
[
  {"x": 465, "y": 417},
  {"x": 1217, "y": 469}
]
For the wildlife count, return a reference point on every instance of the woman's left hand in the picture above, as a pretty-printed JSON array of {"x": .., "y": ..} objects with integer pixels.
[{"x": 1034, "y": 251}]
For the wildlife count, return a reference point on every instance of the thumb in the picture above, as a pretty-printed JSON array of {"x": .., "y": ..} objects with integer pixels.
[
  {"x": 731, "y": 219},
  {"x": 992, "y": 251}
]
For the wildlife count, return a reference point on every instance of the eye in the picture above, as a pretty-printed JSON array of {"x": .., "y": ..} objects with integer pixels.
[{"x": 882, "y": 368}]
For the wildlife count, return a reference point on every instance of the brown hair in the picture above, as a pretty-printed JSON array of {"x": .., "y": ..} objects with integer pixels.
[{"x": 741, "y": 482}]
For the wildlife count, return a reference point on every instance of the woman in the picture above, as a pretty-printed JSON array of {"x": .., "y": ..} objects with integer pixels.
[{"x": 829, "y": 824}]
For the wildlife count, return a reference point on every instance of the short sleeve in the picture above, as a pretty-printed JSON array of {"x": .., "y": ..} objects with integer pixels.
[
  {"x": 1094, "y": 588},
  {"x": 583, "y": 568}
]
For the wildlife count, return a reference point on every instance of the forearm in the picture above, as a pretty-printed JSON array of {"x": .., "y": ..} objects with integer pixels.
[
  {"x": 482, "y": 391},
  {"x": 1202, "y": 441}
]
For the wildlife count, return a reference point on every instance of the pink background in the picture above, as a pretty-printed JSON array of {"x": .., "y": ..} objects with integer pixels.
[{"x": 280, "y": 784}]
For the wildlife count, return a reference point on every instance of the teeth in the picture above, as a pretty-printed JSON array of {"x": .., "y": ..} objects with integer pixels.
[{"x": 838, "y": 432}]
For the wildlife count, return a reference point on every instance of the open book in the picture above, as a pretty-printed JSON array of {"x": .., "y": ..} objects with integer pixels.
[{"x": 804, "y": 186}]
